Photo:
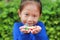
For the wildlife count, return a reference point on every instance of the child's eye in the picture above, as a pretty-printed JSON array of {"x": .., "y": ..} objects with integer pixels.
[
  {"x": 26, "y": 14},
  {"x": 34, "y": 16}
]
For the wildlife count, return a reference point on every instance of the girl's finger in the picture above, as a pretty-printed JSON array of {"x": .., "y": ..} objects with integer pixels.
[
  {"x": 22, "y": 30},
  {"x": 35, "y": 31},
  {"x": 22, "y": 27},
  {"x": 38, "y": 27},
  {"x": 26, "y": 31}
]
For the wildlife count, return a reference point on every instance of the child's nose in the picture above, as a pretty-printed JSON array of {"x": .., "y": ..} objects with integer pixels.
[{"x": 30, "y": 19}]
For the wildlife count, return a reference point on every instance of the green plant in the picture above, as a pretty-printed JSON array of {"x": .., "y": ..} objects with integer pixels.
[{"x": 50, "y": 17}]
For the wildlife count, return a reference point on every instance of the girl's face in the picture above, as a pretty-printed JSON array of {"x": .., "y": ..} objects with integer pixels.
[{"x": 30, "y": 14}]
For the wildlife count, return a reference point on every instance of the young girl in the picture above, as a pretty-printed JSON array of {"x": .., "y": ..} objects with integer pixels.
[{"x": 29, "y": 28}]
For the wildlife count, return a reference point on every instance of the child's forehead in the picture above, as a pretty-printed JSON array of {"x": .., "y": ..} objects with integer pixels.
[
  {"x": 30, "y": 3},
  {"x": 31, "y": 7}
]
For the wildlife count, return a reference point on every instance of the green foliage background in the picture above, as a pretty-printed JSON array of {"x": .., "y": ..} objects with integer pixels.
[{"x": 50, "y": 16}]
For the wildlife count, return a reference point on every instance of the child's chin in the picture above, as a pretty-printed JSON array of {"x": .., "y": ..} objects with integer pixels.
[{"x": 30, "y": 24}]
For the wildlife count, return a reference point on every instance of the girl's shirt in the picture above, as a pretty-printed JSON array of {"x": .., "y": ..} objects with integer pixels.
[{"x": 18, "y": 35}]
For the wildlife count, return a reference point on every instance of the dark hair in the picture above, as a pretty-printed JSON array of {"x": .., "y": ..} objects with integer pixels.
[{"x": 23, "y": 2}]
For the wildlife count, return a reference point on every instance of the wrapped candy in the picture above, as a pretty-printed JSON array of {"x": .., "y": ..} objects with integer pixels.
[{"x": 27, "y": 27}]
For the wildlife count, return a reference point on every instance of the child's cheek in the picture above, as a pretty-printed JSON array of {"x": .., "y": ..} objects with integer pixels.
[
  {"x": 24, "y": 20},
  {"x": 35, "y": 21}
]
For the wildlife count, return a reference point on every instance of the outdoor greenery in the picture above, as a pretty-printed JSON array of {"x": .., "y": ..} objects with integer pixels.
[{"x": 50, "y": 17}]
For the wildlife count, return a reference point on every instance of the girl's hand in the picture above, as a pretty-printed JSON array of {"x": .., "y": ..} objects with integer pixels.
[
  {"x": 36, "y": 30},
  {"x": 33, "y": 30},
  {"x": 24, "y": 29}
]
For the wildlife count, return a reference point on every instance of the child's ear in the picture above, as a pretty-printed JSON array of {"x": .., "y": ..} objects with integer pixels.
[
  {"x": 19, "y": 13},
  {"x": 40, "y": 15}
]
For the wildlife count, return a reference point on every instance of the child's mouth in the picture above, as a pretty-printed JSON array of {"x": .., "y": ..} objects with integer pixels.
[{"x": 30, "y": 24}]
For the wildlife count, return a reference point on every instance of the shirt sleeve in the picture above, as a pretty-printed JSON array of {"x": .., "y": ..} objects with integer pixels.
[
  {"x": 18, "y": 35},
  {"x": 42, "y": 35},
  {"x": 15, "y": 31}
]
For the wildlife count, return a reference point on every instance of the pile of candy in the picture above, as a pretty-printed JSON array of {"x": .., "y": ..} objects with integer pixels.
[{"x": 27, "y": 27}]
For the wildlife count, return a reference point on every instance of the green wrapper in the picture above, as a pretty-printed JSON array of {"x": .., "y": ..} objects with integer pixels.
[{"x": 26, "y": 28}]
